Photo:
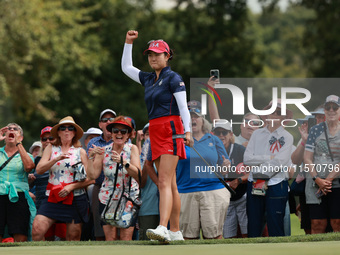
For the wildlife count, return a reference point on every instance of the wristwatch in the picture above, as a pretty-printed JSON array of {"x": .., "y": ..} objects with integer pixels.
[
  {"x": 127, "y": 165},
  {"x": 314, "y": 177},
  {"x": 239, "y": 180}
]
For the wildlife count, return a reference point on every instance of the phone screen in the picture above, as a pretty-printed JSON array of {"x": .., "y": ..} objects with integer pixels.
[{"x": 215, "y": 73}]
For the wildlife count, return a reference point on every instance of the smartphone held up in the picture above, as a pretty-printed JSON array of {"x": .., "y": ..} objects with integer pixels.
[{"x": 215, "y": 73}]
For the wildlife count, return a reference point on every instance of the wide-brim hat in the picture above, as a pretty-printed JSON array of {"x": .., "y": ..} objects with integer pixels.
[
  {"x": 289, "y": 113},
  {"x": 121, "y": 122},
  {"x": 67, "y": 120}
]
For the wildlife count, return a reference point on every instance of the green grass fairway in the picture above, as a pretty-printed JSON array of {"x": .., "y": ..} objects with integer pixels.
[{"x": 307, "y": 248}]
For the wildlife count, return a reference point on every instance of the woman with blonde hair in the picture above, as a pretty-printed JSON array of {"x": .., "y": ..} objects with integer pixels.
[{"x": 66, "y": 199}]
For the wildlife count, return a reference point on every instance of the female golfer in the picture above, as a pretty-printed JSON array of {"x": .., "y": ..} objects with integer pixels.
[{"x": 165, "y": 98}]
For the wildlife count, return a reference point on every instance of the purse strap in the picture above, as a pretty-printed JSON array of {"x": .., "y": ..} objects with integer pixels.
[
  {"x": 8, "y": 160},
  {"x": 114, "y": 189},
  {"x": 327, "y": 141}
]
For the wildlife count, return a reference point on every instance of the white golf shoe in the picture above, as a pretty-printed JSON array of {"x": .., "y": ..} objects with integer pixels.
[
  {"x": 161, "y": 234},
  {"x": 176, "y": 236}
]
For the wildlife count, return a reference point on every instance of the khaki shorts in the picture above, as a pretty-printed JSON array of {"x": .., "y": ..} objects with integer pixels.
[{"x": 204, "y": 210}]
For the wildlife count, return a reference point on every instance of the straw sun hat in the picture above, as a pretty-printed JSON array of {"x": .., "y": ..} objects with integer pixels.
[{"x": 70, "y": 121}]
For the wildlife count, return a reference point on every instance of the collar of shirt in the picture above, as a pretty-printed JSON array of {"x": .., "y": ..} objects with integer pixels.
[
  {"x": 279, "y": 131},
  {"x": 164, "y": 71},
  {"x": 205, "y": 137}
]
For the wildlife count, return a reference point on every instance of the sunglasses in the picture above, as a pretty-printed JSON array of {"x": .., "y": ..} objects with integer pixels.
[
  {"x": 223, "y": 132},
  {"x": 106, "y": 119},
  {"x": 253, "y": 123},
  {"x": 63, "y": 128},
  {"x": 13, "y": 128},
  {"x": 122, "y": 131},
  {"x": 331, "y": 106},
  {"x": 44, "y": 139}
]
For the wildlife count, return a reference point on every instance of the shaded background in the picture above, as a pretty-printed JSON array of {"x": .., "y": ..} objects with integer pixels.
[{"x": 62, "y": 57}]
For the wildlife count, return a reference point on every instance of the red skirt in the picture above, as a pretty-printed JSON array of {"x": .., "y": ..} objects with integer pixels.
[{"x": 161, "y": 131}]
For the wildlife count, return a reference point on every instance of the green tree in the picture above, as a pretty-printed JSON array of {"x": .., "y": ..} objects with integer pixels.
[{"x": 322, "y": 38}]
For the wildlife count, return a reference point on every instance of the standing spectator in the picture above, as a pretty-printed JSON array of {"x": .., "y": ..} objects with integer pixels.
[
  {"x": 246, "y": 129},
  {"x": 319, "y": 114},
  {"x": 105, "y": 118},
  {"x": 88, "y": 228},
  {"x": 268, "y": 148},
  {"x": 237, "y": 214},
  {"x": 35, "y": 149},
  {"x": 58, "y": 230},
  {"x": 204, "y": 199},
  {"x": 89, "y": 134},
  {"x": 118, "y": 161},
  {"x": 17, "y": 208},
  {"x": 321, "y": 159},
  {"x": 165, "y": 97},
  {"x": 143, "y": 135},
  {"x": 66, "y": 200},
  {"x": 149, "y": 212},
  {"x": 297, "y": 158}
]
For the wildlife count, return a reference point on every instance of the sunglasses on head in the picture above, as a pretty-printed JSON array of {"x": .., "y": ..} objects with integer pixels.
[
  {"x": 13, "y": 128},
  {"x": 253, "y": 123},
  {"x": 70, "y": 128},
  {"x": 122, "y": 131},
  {"x": 106, "y": 119},
  {"x": 223, "y": 132},
  {"x": 44, "y": 139},
  {"x": 331, "y": 106}
]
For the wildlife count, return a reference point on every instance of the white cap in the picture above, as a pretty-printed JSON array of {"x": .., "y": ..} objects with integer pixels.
[
  {"x": 34, "y": 145},
  {"x": 106, "y": 111},
  {"x": 90, "y": 131},
  {"x": 93, "y": 131},
  {"x": 222, "y": 124}
]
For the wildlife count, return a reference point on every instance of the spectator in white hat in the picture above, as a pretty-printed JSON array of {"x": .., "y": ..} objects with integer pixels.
[
  {"x": 237, "y": 212},
  {"x": 323, "y": 188},
  {"x": 89, "y": 134},
  {"x": 35, "y": 149}
]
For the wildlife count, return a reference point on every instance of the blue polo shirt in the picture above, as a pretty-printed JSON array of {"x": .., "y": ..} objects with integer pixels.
[
  {"x": 189, "y": 177},
  {"x": 158, "y": 95},
  {"x": 100, "y": 142}
]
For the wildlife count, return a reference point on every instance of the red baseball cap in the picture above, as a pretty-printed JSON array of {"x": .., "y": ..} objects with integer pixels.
[
  {"x": 45, "y": 130},
  {"x": 158, "y": 46}
]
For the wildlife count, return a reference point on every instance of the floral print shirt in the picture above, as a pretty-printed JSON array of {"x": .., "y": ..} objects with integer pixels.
[
  {"x": 62, "y": 172},
  {"x": 109, "y": 168}
]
